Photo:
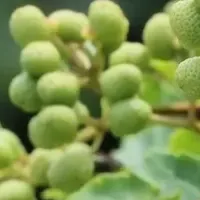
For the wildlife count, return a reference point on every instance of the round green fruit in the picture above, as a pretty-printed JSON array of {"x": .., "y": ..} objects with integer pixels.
[
  {"x": 59, "y": 88},
  {"x": 159, "y": 37},
  {"x": 53, "y": 126},
  {"x": 28, "y": 24},
  {"x": 23, "y": 94},
  {"x": 108, "y": 24},
  {"x": 184, "y": 141},
  {"x": 16, "y": 190},
  {"x": 82, "y": 112},
  {"x": 131, "y": 52},
  {"x": 40, "y": 160},
  {"x": 70, "y": 24},
  {"x": 120, "y": 82},
  {"x": 185, "y": 21},
  {"x": 40, "y": 57},
  {"x": 188, "y": 77},
  {"x": 129, "y": 116},
  {"x": 73, "y": 169}
]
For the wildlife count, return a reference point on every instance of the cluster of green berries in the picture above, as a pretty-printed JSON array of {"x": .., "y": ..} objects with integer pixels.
[{"x": 48, "y": 87}]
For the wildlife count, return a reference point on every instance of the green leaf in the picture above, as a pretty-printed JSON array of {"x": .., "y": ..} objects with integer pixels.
[
  {"x": 134, "y": 148},
  {"x": 52, "y": 194},
  {"x": 166, "y": 68},
  {"x": 175, "y": 173},
  {"x": 115, "y": 186}
]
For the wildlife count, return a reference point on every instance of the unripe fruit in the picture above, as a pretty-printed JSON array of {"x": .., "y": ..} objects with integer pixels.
[
  {"x": 120, "y": 82},
  {"x": 184, "y": 141},
  {"x": 53, "y": 126},
  {"x": 70, "y": 24},
  {"x": 185, "y": 21},
  {"x": 108, "y": 24},
  {"x": 159, "y": 37},
  {"x": 28, "y": 24},
  {"x": 14, "y": 142},
  {"x": 131, "y": 52},
  {"x": 16, "y": 190},
  {"x": 59, "y": 88},
  {"x": 40, "y": 57},
  {"x": 23, "y": 94},
  {"x": 40, "y": 160},
  {"x": 82, "y": 112},
  {"x": 129, "y": 116},
  {"x": 73, "y": 169},
  {"x": 188, "y": 77}
]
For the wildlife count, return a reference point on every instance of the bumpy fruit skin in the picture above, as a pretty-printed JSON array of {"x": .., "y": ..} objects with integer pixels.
[
  {"x": 159, "y": 37},
  {"x": 73, "y": 169},
  {"x": 131, "y": 52},
  {"x": 188, "y": 77},
  {"x": 28, "y": 24},
  {"x": 23, "y": 94},
  {"x": 184, "y": 142},
  {"x": 82, "y": 112},
  {"x": 58, "y": 88},
  {"x": 120, "y": 82},
  {"x": 108, "y": 24},
  {"x": 16, "y": 190},
  {"x": 129, "y": 116},
  {"x": 185, "y": 21},
  {"x": 53, "y": 126},
  {"x": 40, "y": 160},
  {"x": 70, "y": 24},
  {"x": 9, "y": 137},
  {"x": 40, "y": 57}
]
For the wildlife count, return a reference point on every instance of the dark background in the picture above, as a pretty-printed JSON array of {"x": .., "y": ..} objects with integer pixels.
[{"x": 138, "y": 12}]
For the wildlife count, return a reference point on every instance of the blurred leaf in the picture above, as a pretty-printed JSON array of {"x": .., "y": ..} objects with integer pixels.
[
  {"x": 175, "y": 174},
  {"x": 164, "y": 68},
  {"x": 116, "y": 186},
  {"x": 159, "y": 92},
  {"x": 134, "y": 148},
  {"x": 52, "y": 194}
]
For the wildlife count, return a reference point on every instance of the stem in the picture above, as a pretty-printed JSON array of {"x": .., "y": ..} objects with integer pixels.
[
  {"x": 86, "y": 134},
  {"x": 97, "y": 142},
  {"x": 192, "y": 113}
]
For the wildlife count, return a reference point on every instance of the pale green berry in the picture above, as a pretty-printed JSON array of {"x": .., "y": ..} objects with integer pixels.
[
  {"x": 131, "y": 52},
  {"x": 59, "y": 88},
  {"x": 185, "y": 21},
  {"x": 159, "y": 37},
  {"x": 27, "y": 24},
  {"x": 23, "y": 94},
  {"x": 108, "y": 24},
  {"x": 120, "y": 82},
  {"x": 40, "y": 57},
  {"x": 70, "y": 24},
  {"x": 73, "y": 169},
  {"x": 53, "y": 126},
  {"x": 129, "y": 116},
  {"x": 14, "y": 189}
]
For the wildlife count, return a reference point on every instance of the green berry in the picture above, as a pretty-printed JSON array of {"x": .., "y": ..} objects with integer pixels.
[
  {"x": 40, "y": 57},
  {"x": 73, "y": 169},
  {"x": 188, "y": 77},
  {"x": 28, "y": 24},
  {"x": 59, "y": 88},
  {"x": 40, "y": 160},
  {"x": 70, "y": 24},
  {"x": 23, "y": 94},
  {"x": 120, "y": 82},
  {"x": 16, "y": 190},
  {"x": 108, "y": 24},
  {"x": 159, "y": 37},
  {"x": 54, "y": 126},
  {"x": 184, "y": 141},
  {"x": 131, "y": 52},
  {"x": 129, "y": 116},
  {"x": 185, "y": 21},
  {"x": 9, "y": 137},
  {"x": 82, "y": 112}
]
